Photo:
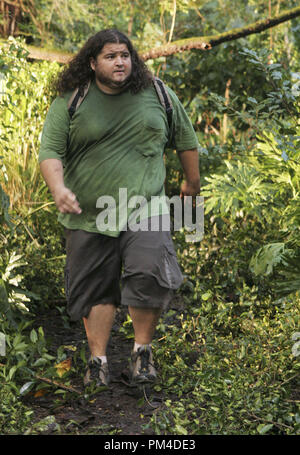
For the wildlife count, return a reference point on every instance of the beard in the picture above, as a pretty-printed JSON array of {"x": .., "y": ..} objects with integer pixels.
[{"x": 112, "y": 83}]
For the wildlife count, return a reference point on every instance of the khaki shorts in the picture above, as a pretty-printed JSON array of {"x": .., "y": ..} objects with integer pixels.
[{"x": 137, "y": 269}]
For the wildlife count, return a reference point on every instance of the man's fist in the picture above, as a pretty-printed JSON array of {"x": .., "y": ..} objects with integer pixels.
[
  {"x": 189, "y": 188},
  {"x": 66, "y": 201}
]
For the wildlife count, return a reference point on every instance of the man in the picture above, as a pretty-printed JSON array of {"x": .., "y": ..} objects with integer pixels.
[{"x": 115, "y": 140}]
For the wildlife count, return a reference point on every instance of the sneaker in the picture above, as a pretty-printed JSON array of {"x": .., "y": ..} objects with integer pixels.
[
  {"x": 142, "y": 368},
  {"x": 96, "y": 372}
]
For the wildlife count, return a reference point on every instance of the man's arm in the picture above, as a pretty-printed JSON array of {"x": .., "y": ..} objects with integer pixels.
[
  {"x": 190, "y": 164},
  {"x": 65, "y": 200}
]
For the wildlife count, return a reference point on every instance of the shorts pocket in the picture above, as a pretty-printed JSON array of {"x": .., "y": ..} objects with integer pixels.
[{"x": 170, "y": 274}]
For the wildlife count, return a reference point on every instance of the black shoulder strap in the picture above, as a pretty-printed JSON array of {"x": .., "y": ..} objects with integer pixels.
[
  {"x": 77, "y": 97},
  {"x": 164, "y": 98},
  {"x": 80, "y": 93}
]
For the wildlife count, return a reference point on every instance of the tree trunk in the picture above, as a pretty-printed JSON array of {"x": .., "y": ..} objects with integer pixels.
[{"x": 11, "y": 15}]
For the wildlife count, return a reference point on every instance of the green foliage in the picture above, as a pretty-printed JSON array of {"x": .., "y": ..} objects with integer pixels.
[
  {"x": 25, "y": 102},
  {"x": 232, "y": 367},
  {"x": 262, "y": 186},
  {"x": 26, "y": 351},
  {"x": 14, "y": 416}
]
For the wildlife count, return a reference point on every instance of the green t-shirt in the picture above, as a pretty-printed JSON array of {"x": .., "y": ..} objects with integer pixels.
[{"x": 112, "y": 151}]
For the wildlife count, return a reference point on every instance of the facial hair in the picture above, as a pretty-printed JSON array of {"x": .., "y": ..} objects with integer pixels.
[{"x": 112, "y": 84}]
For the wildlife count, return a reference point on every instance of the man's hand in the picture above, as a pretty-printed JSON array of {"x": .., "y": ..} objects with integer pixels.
[
  {"x": 190, "y": 188},
  {"x": 190, "y": 164},
  {"x": 65, "y": 200}
]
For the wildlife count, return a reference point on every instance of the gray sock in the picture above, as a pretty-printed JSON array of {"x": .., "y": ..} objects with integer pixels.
[{"x": 103, "y": 358}]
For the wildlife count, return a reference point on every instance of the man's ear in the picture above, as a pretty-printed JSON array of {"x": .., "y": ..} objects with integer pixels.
[{"x": 92, "y": 63}]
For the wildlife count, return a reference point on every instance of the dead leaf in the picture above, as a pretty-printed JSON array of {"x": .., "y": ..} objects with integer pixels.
[
  {"x": 70, "y": 347},
  {"x": 40, "y": 393},
  {"x": 63, "y": 367}
]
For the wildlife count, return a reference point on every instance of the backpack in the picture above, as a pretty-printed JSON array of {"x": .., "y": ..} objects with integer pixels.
[{"x": 80, "y": 93}]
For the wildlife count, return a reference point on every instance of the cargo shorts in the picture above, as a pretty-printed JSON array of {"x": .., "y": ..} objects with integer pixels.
[{"x": 137, "y": 269}]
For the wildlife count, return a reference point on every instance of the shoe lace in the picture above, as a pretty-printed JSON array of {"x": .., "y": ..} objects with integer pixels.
[
  {"x": 95, "y": 368},
  {"x": 145, "y": 362}
]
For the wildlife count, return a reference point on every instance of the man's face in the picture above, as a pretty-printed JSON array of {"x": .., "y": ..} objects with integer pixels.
[{"x": 112, "y": 67}]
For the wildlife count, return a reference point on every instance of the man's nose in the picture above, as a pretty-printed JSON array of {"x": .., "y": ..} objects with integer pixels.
[{"x": 119, "y": 60}]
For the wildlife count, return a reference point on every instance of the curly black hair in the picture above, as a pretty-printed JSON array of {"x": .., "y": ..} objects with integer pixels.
[{"x": 78, "y": 71}]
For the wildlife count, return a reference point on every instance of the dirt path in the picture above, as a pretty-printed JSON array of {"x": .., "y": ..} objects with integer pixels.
[{"x": 121, "y": 409}]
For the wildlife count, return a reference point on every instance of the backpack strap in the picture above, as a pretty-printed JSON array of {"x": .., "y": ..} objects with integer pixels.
[
  {"x": 77, "y": 97},
  {"x": 164, "y": 98},
  {"x": 80, "y": 93}
]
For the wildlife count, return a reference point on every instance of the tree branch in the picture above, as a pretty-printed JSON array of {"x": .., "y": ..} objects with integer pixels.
[
  {"x": 208, "y": 42},
  {"x": 52, "y": 55},
  {"x": 201, "y": 42}
]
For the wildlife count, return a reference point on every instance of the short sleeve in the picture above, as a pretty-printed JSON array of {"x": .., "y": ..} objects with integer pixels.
[
  {"x": 55, "y": 131},
  {"x": 182, "y": 134}
]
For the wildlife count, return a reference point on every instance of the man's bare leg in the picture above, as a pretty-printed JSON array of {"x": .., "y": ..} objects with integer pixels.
[
  {"x": 144, "y": 323},
  {"x": 99, "y": 323},
  {"x": 98, "y": 327}
]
